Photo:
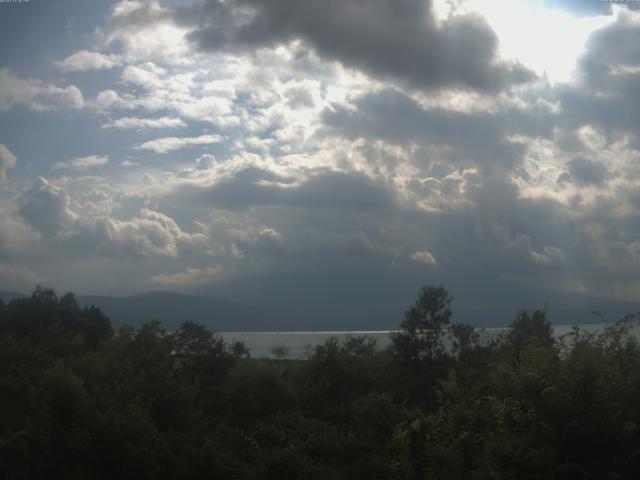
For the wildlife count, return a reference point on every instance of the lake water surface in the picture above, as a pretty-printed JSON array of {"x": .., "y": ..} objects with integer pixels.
[{"x": 300, "y": 344}]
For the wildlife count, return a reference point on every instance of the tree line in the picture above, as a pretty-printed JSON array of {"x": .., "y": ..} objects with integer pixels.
[{"x": 80, "y": 400}]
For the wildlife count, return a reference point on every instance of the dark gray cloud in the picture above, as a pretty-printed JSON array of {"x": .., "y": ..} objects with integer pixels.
[
  {"x": 612, "y": 114},
  {"x": 397, "y": 39},
  {"x": 608, "y": 87},
  {"x": 345, "y": 263},
  {"x": 615, "y": 46},
  {"x": 325, "y": 189},
  {"x": 478, "y": 139},
  {"x": 587, "y": 172}
]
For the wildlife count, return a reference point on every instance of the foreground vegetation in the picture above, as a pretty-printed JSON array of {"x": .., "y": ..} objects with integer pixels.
[{"x": 80, "y": 401}]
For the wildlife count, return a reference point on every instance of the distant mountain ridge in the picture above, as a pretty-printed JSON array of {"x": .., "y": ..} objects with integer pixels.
[
  {"x": 172, "y": 309},
  {"x": 6, "y": 297}
]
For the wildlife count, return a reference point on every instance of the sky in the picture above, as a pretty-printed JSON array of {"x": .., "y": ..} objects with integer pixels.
[{"x": 328, "y": 156}]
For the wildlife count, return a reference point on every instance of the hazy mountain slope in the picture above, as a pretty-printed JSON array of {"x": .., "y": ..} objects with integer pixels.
[
  {"x": 172, "y": 309},
  {"x": 6, "y": 297},
  {"x": 304, "y": 314}
]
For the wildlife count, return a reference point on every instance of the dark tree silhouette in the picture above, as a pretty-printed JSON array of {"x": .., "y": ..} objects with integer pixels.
[
  {"x": 423, "y": 325},
  {"x": 530, "y": 327}
]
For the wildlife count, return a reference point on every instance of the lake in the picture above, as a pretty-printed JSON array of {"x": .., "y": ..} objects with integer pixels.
[{"x": 299, "y": 344}]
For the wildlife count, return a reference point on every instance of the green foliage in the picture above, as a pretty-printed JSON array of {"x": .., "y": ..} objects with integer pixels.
[
  {"x": 240, "y": 350},
  {"x": 528, "y": 328},
  {"x": 419, "y": 347},
  {"x": 78, "y": 401},
  {"x": 279, "y": 351},
  {"x": 195, "y": 340},
  {"x": 57, "y": 323}
]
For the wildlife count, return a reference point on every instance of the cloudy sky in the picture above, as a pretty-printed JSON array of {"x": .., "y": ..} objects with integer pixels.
[{"x": 331, "y": 155}]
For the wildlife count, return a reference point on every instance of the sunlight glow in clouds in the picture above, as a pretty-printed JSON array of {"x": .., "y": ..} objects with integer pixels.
[{"x": 544, "y": 39}]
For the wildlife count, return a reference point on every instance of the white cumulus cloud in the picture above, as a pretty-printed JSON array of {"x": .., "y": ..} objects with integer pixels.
[
  {"x": 424, "y": 257},
  {"x": 82, "y": 163},
  {"x": 35, "y": 94},
  {"x": 86, "y": 60},
  {"x": 144, "y": 123},
  {"x": 7, "y": 161},
  {"x": 168, "y": 144}
]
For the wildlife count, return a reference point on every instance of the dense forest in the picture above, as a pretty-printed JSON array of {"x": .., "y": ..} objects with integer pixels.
[{"x": 79, "y": 400}]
